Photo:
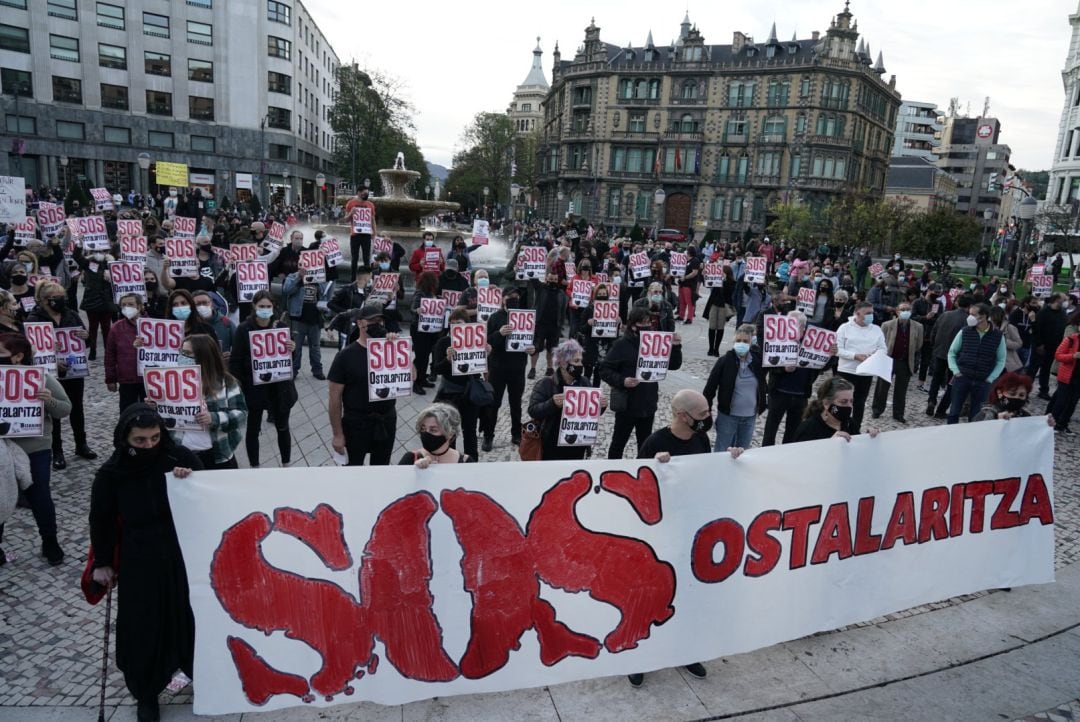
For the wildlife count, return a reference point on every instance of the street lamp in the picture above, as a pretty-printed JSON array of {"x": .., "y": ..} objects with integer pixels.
[
  {"x": 515, "y": 189},
  {"x": 658, "y": 199},
  {"x": 486, "y": 191},
  {"x": 1028, "y": 206},
  {"x": 64, "y": 164},
  {"x": 144, "y": 165},
  {"x": 427, "y": 192},
  {"x": 988, "y": 215},
  {"x": 285, "y": 186},
  {"x": 559, "y": 196}
]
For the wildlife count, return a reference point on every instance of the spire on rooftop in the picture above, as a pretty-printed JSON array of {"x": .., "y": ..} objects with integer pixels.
[{"x": 772, "y": 35}]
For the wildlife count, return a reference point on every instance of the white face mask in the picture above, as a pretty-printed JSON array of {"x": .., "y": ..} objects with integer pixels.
[
  {"x": 129, "y": 312},
  {"x": 973, "y": 321},
  {"x": 205, "y": 311}
]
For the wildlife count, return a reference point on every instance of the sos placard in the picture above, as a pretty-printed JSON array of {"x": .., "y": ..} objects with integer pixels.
[
  {"x": 877, "y": 271},
  {"x": 25, "y": 232},
  {"x": 433, "y": 259},
  {"x": 678, "y": 264},
  {"x": 654, "y": 355},
  {"x": 389, "y": 365},
  {"x": 129, "y": 228},
  {"x": 581, "y": 293},
  {"x": 332, "y": 249},
  {"x": 72, "y": 350},
  {"x": 51, "y": 217},
  {"x": 271, "y": 359},
  {"x": 102, "y": 199},
  {"x": 92, "y": 233},
  {"x": 183, "y": 227},
  {"x": 469, "y": 341},
  {"x": 251, "y": 277},
  {"x": 379, "y": 244},
  {"x": 488, "y": 301},
  {"x": 781, "y": 341},
  {"x": 133, "y": 248},
  {"x": 531, "y": 262},
  {"x": 639, "y": 265},
  {"x": 313, "y": 265},
  {"x": 481, "y": 233},
  {"x": 816, "y": 348},
  {"x": 127, "y": 278},
  {"x": 42, "y": 337},
  {"x": 177, "y": 391},
  {"x": 714, "y": 275},
  {"x": 605, "y": 319},
  {"x": 453, "y": 299},
  {"x": 1042, "y": 286},
  {"x": 432, "y": 315},
  {"x": 756, "y": 266},
  {"x": 384, "y": 289},
  {"x": 21, "y": 412},
  {"x": 580, "y": 422},
  {"x": 183, "y": 263},
  {"x": 362, "y": 217},
  {"x": 523, "y": 325},
  {"x": 161, "y": 340},
  {"x": 805, "y": 301},
  {"x": 276, "y": 234},
  {"x": 244, "y": 252}
]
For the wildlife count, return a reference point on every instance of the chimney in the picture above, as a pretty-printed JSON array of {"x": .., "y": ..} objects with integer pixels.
[
  {"x": 738, "y": 42},
  {"x": 815, "y": 36}
]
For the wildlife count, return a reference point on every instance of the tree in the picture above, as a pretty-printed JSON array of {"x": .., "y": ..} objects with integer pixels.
[
  {"x": 860, "y": 220},
  {"x": 483, "y": 162},
  {"x": 794, "y": 222},
  {"x": 1039, "y": 180},
  {"x": 939, "y": 236}
]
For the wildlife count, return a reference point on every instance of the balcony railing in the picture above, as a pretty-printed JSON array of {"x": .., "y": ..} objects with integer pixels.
[
  {"x": 825, "y": 184},
  {"x": 635, "y": 135},
  {"x": 688, "y": 101},
  {"x": 770, "y": 180},
  {"x": 637, "y": 101},
  {"x": 836, "y": 140},
  {"x": 772, "y": 138},
  {"x": 735, "y": 139},
  {"x": 692, "y": 136}
]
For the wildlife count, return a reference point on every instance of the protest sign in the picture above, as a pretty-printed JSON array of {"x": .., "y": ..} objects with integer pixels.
[
  {"x": 654, "y": 355},
  {"x": 35, "y": 278},
  {"x": 73, "y": 352},
  {"x": 805, "y": 302},
  {"x": 713, "y": 274},
  {"x": 276, "y": 235},
  {"x": 271, "y": 359},
  {"x": 389, "y": 368},
  {"x": 678, "y": 264},
  {"x": 469, "y": 341},
  {"x": 488, "y": 301},
  {"x": 128, "y": 228},
  {"x": 1042, "y": 286},
  {"x": 26, "y": 232},
  {"x": 480, "y": 232},
  {"x": 878, "y": 364},
  {"x": 876, "y": 271},
  {"x": 523, "y": 325},
  {"x": 251, "y": 277},
  {"x": 1037, "y": 269},
  {"x": 127, "y": 277},
  {"x": 379, "y": 244},
  {"x": 756, "y": 267},
  {"x": 244, "y": 252},
  {"x": 452, "y": 567},
  {"x": 570, "y": 270},
  {"x": 453, "y": 299},
  {"x": 183, "y": 227},
  {"x": 781, "y": 341},
  {"x": 177, "y": 391},
  {"x": 21, "y": 412},
  {"x": 532, "y": 261},
  {"x": 580, "y": 293},
  {"x": 601, "y": 277},
  {"x": 639, "y": 265},
  {"x": 171, "y": 174},
  {"x": 362, "y": 218},
  {"x": 579, "y": 424},
  {"x": 433, "y": 259},
  {"x": 432, "y": 315},
  {"x": 954, "y": 293},
  {"x": 42, "y": 338},
  {"x": 332, "y": 249},
  {"x": 816, "y": 348},
  {"x": 161, "y": 340},
  {"x": 605, "y": 320},
  {"x": 12, "y": 199},
  {"x": 51, "y": 217},
  {"x": 384, "y": 288},
  {"x": 133, "y": 248},
  {"x": 183, "y": 261},
  {"x": 92, "y": 233},
  {"x": 313, "y": 265},
  {"x": 102, "y": 199}
]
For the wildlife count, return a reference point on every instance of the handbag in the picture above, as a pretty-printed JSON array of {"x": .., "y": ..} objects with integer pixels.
[
  {"x": 530, "y": 448},
  {"x": 479, "y": 392},
  {"x": 620, "y": 399}
]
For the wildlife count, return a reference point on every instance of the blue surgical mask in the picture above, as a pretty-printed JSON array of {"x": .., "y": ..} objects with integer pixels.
[
  {"x": 182, "y": 360},
  {"x": 384, "y": 265},
  {"x": 868, "y": 319},
  {"x": 482, "y": 282},
  {"x": 905, "y": 315},
  {"x": 741, "y": 348},
  {"x": 264, "y": 313},
  {"x": 181, "y": 312},
  {"x": 753, "y": 340}
]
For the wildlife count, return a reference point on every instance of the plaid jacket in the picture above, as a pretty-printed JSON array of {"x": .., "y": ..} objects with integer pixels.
[{"x": 228, "y": 414}]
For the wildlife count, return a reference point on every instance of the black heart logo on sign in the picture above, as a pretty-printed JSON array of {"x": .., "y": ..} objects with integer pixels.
[
  {"x": 646, "y": 375},
  {"x": 5, "y": 427},
  {"x": 804, "y": 363},
  {"x": 425, "y": 327},
  {"x": 774, "y": 360},
  {"x": 382, "y": 393},
  {"x": 265, "y": 378},
  {"x": 571, "y": 438},
  {"x": 530, "y": 274},
  {"x": 463, "y": 368},
  {"x": 513, "y": 345},
  {"x": 170, "y": 423}
]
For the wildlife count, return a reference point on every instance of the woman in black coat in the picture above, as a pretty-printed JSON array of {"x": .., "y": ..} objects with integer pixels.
[
  {"x": 546, "y": 400},
  {"x": 155, "y": 629}
]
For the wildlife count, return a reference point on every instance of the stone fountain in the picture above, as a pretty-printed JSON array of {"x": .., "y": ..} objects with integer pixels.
[{"x": 397, "y": 213}]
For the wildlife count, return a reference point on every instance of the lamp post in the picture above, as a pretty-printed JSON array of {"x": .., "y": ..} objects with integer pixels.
[
  {"x": 515, "y": 190},
  {"x": 144, "y": 166},
  {"x": 1028, "y": 206},
  {"x": 747, "y": 205},
  {"x": 559, "y": 197},
  {"x": 658, "y": 200},
  {"x": 988, "y": 215},
  {"x": 64, "y": 164},
  {"x": 285, "y": 186},
  {"x": 486, "y": 191},
  {"x": 427, "y": 192}
]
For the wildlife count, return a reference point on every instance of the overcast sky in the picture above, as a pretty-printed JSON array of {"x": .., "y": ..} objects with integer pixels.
[{"x": 457, "y": 59}]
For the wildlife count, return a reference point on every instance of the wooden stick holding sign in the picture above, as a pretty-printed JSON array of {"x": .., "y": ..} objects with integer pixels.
[
  {"x": 468, "y": 341},
  {"x": 389, "y": 368},
  {"x": 580, "y": 421},
  {"x": 654, "y": 355},
  {"x": 177, "y": 393},
  {"x": 22, "y": 413}
]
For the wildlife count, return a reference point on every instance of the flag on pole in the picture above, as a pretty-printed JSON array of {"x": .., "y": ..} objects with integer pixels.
[{"x": 659, "y": 160}]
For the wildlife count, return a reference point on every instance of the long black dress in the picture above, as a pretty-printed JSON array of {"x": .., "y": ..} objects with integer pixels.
[{"x": 129, "y": 506}]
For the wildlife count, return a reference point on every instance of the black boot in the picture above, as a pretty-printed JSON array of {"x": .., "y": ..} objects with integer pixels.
[
  {"x": 148, "y": 711},
  {"x": 50, "y": 548},
  {"x": 712, "y": 343},
  {"x": 59, "y": 463},
  {"x": 84, "y": 451}
]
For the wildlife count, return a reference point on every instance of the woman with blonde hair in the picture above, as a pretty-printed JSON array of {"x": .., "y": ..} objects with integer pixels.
[
  {"x": 438, "y": 426},
  {"x": 10, "y": 309}
]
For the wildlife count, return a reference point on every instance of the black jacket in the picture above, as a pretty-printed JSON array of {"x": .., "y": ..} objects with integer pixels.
[
  {"x": 721, "y": 383},
  {"x": 1048, "y": 329},
  {"x": 501, "y": 361},
  {"x": 621, "y": 364},
  {"x": 542, "y": 408}
]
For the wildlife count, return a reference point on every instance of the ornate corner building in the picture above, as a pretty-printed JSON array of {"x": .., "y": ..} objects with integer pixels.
[{"x": 727, "y": 131}]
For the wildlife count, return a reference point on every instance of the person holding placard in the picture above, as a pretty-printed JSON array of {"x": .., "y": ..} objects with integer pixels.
[
  {"x": 225, "y": 409},
  {"x": 688, "y": 286},
  {"x": 275, "y": 399},
  {"x": 506, "y": 369},
  {"x": 18, "y": 280},
  {"x": 130, "y": 520},
  {"x": 856, "y": 341},
  {"x": 1046, "y": 334},
  {"x": 548, "y": 395},
  {"x": 97, "y": 297},
  {"x": 457, "y": 389},
  {"x": 605, "y": 316},
  {"x": 363, "y": 228},
  {"x": 719, "y": 308},
  {"x": 459, "y": 251},
  {"x": 633, "y": 402},
  {"x": 156, "y": 305},
  {"x": 438, "y": 426},
  {"x": 903, "y": 342},
  {"x": 15, "y": 350},
  {"x": 52, "y": 308},
  {"x": 788, "y": 389},
  {"x": 549, "y": 312},
  {"x": 427, "y": 256},
  {"x": 305, "y": 302},
  {"x": 427, "y": 286},
  {"x": 737, "y": 382},
  {"x": 121, "y": 357},
  {"x": 10, "y": 310}
]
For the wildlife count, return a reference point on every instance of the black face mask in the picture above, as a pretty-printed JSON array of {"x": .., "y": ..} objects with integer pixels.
[
  {"x": 376, "y": 330},
  {"x": 701, "y": 425},
  {"x": 143, "y": 456},
  {"x": 842, "y": 413},
  {"x": 57, "y": 304},
  {"x": 1012, "y": 405},
  {"x": 513, "y": 303},
  {"x": 576, "y": 372},
  {"x": 18, "y": 280},
  {"x": 6, "y": 361},
  {"x": 431, "y": 442},
  {"x": 450, "y": 273},
  {"x": 601, "y": 298}
]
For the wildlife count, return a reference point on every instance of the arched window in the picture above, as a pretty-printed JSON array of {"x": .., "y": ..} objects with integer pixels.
[
  {"x": 686, "y": 124},
  {"x": 689, "y": 90},
  {"x": 723, "y": 168},
  {"x": 641, "y": 89},
  {"x": 654, "y": 89}
]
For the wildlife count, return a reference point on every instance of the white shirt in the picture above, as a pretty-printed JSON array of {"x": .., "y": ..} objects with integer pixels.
[{"x": 852, "y": 339}]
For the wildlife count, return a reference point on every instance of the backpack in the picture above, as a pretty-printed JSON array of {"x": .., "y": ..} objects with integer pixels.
[{"x": 530, "y": 448}]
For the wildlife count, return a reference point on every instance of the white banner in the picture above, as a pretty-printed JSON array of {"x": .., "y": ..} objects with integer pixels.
[
  {"x": 469, "y": 341},
  {"x": 251, "y": 277},
  {"x": 644, "y": 565},
  {"x": 12, "y": 199},
  {"x": 271, "y": 359},
  {"x": 177, "y": 391},
  {"x": 654, "y": 355},
  {"x": 42, "y": 337},
  {"x": 21, "y": 412},
  {"x": 389, "y": 368}
]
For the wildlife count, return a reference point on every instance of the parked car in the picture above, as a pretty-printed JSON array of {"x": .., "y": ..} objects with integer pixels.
[{"x": 671, "y": 234}]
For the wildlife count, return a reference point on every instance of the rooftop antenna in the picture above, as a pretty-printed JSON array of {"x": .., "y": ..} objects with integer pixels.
[{"x": 986, "y": 107}]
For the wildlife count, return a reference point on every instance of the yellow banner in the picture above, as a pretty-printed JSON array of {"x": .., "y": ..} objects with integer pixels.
[{"x": 172, "y": 174}]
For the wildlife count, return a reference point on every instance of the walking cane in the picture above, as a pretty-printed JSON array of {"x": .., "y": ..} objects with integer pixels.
[{"x": 105, "y": 653}]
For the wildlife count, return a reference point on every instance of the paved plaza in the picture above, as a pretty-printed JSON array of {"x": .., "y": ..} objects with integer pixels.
[{"x": 992, "y": 655}]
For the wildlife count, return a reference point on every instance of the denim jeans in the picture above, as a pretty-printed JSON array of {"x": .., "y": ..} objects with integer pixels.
[
  {"x": 962, "y": 388},
  {"x": 733, "y": 431},
  {"x": 309, "y": 334}
]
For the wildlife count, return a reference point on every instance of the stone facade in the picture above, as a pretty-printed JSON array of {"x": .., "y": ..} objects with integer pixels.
[
  {"x": 526, "y": 109},
  {"x": 727, "y": 131},
  {"x": 1064, "y": 186}
]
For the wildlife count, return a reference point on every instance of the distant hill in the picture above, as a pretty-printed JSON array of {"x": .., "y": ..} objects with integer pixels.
[{"x": 438, "y": 171}]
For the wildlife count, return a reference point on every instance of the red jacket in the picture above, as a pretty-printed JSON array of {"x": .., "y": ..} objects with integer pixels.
[
  {"x": 1066, "y": 358},
  {"x": 121, "y": 358},
  {"x": 416, "y": 262}
]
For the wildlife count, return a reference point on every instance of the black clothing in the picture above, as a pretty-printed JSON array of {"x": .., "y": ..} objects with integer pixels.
[
  {"x": 369, "y": 425},
  {"x": 621, "y": 364},
  {"x": 542, "y": 408},
  {"x": 725, "y": 371},
  {"x": 453, "y": 390},
  {"x": 277, "y": 398},
  {"x": 664, "y": 440},
  {"x": 409, "y": 458},
  {"x": 815, "y": 428}
]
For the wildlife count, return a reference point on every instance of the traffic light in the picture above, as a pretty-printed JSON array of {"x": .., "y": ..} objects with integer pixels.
[{"x": 992, "y": 185}]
